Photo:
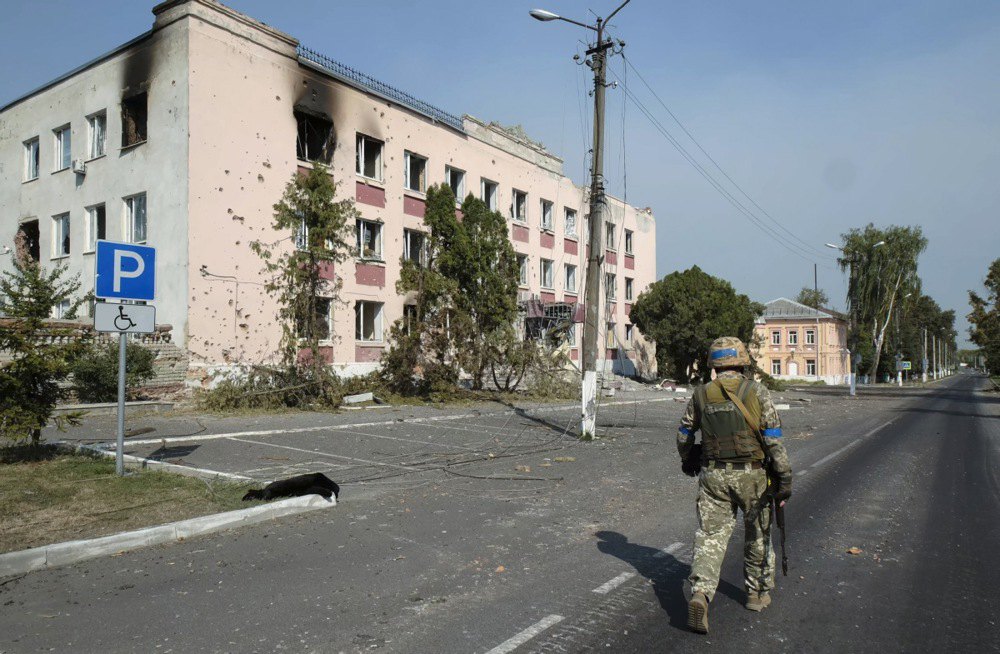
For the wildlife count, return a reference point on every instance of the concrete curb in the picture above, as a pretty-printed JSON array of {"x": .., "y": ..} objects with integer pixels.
[
  {"x": 75, "y": 551},
  {"x": 143, "y": 463},
  {"x": 111, "y": 408}
]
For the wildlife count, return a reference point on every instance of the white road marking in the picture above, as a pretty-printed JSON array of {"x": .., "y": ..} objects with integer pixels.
[
  {"x": 800, "y": 473},
  {"x": 609, "y": 586},
  {"x": 379, "y": 423},
  {"x": 332, "y": 456},
  {"x": 670, "y": 549},
  {"x": 406, "y": 440},
  {"x": 516, "y": 641},
  {"x": 850, "y": 445}
]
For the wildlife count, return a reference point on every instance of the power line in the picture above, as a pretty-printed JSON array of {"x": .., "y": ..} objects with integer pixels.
[{"x": 810, "y": 247}]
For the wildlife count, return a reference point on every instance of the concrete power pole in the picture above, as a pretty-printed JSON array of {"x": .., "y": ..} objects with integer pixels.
[{"x": 597, "y": 61}]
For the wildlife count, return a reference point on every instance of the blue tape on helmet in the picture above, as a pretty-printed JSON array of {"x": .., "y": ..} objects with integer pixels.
[{"x": 720, "y": 354}]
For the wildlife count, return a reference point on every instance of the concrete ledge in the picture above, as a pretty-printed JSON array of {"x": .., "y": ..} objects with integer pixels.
[
  {"x": 75, "y": 551},
  {"x": 111, "y": 408}
]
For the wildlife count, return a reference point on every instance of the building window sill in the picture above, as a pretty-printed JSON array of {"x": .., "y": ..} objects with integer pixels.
[
  {"x": 28, "y": 181},
  {"x": 371, "y": 181},
  {"x": 571, "y": 237},
  {"x": 547, "y": 230},
  {"x": 369, "y": 343},
  {"x": 420, "y": 195},
  {"x": 374, "y": 261},
  {"x": 100, "y": 156},
  {"x": 132, "y": 146},
  {"x": 59, "y": 170},
  {"x": 57, "y": 257}
]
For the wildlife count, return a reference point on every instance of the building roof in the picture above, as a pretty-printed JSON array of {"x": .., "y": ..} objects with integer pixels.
[{"x": 785, "y": 309}]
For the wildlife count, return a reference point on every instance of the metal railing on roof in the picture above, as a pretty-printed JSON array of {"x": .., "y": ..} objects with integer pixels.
[{"x": 388, "y": 92}]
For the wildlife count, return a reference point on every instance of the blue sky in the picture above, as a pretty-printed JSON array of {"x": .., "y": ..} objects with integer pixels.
[{"x": 829, "y": 115}]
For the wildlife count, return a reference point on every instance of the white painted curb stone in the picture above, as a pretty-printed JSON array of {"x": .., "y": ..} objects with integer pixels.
[{"x": 74, "y": 551}]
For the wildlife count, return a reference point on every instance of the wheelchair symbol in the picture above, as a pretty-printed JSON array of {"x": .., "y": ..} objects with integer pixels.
[{"x": 123, "y": 322}]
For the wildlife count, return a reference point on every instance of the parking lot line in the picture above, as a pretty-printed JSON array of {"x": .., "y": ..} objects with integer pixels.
[
  {"x": 521, "y": 638},
  {"x": 332, "y": 456}
]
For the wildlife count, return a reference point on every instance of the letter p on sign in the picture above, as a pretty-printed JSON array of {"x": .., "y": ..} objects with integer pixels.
[{"x": 125, "y": 271}]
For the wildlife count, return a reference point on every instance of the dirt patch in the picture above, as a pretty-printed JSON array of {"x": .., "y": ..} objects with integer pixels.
[{"x": 48, "y": 497}]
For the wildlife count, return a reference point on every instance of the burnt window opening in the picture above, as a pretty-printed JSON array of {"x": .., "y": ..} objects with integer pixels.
[
  {"x": 314, "y": 138},
  {"x": 134, "y": 120},
  {"x": 26, "y": 242}
]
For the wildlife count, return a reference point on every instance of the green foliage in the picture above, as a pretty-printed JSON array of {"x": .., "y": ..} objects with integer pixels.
[
  {"x": 95, "y": 373},
  {"x": 906, "y": 336},
  {"x": 322, "y": 226},
  {"x": 465, "y": 299},
  {"x": 813, "y": 297},
  {"x": 984, "y": 319},
  {"x": 685, "y": 311},
  {"x": 880, "y": 277},
  {"x": 42, "y": 351}
]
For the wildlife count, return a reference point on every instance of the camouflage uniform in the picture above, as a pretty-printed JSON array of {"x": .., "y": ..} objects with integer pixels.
[{"x": 721, "y": 492}]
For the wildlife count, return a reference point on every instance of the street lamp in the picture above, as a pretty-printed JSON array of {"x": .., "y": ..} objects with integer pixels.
[{"x": 597, "y": 61}]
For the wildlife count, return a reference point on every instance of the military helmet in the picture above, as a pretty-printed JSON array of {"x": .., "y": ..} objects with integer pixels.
[{"x": 728, "y": 352}]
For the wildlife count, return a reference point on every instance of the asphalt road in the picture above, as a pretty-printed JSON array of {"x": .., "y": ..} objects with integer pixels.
[{"x": 592, "y": 556}]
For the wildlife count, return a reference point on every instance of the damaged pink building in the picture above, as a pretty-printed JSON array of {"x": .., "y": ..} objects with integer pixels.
[{"x": 186, "y": 136}]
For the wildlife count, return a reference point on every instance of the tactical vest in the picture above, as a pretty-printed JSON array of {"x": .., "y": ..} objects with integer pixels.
[{"x": 725, "y": 434}]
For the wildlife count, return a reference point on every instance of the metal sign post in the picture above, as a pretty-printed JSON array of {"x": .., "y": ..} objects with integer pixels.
[{"x": 124, "y": 271}]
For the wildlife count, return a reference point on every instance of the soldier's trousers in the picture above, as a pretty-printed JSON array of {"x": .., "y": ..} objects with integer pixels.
[{"x": 721, "y": 494}]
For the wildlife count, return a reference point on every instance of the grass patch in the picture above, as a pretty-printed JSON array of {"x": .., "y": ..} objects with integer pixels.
[{"x": 48, "y": 497}]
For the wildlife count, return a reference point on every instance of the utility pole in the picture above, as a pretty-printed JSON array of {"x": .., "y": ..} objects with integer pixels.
[
  {"x": 923, "y": 362},
  {"x": 934, "y": 354},
  {"x": 597, "y": 61}
]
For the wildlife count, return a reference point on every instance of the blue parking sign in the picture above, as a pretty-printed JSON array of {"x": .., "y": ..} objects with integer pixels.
[{"x": 125, "y": 271}]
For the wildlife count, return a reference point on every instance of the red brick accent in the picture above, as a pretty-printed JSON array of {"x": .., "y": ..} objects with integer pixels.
[
  {"x": 367, "y": 353},
  {"x": 414, "y": 206},
  {"x": 569, "y": 298},
  {"x": 547, "y": 297},
  {"x": 326, "y": 270},
  {"x": 580, "y": 313},
  {"x": 368, "y": 274},
  {"x": 368, "y": 194},
  {"x": 325, "y": 355},
  {"x": 519, "y": 233},
  {"x": 459, "y": 215},
  {"x": 630, "y": 262},
  {"x": 628, "y": 309},
  {"x": 574, "y": 354},
  {"x": 570, "y": 247},
  {"x": 611, "y": 257},
  {"x": 548, "y": 240},
  {"x": 302, "y": 171},
  {"x": 611, "y": 354}
]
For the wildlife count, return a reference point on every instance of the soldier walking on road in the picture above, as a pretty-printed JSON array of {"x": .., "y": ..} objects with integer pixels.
[{"x": 739, "y": 429}]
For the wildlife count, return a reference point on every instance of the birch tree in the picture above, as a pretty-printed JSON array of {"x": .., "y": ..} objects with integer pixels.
[{"x": 883, "y": 269}]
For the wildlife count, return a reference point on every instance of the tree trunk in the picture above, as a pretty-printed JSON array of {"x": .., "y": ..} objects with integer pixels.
[{"x": 880, "y": 338}]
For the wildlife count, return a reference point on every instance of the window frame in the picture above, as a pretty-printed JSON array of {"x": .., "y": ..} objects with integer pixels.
[
  {"x": 810, "y": 337},
  {"x": 128, "y": 106},
  {"x": 448, "y": 172},
  {"x": 610, "y": 340},
  {"x": 61, "y": 235},
  {"x": 570, "y": 268},
  {"x": 30, "y": 160},
  {"x": 92, "y": 120},
  {"x": 611, "y": 286},
  {"x": 775, "y": 366},
  {"x": 408, "y": 234},
  {"x": 360, "y": 157},
  {"x": 551, "y": 276},
  {"x": 775, "y": 337},
  {"x": 546, "y": 208},
  {"x": 408, "y": 158},
  {"x": 609, "y": 235},
  {"x": 522, "y": 263},
  {"x": 811, "y": 364},
  {"x": 629, "y": 288},
  {"x": 359, "y": 229},
  {"x": 793, "y": 337},
  {"x": 629, "y": 241},
  {"x": 629, "y": 333},
  {"x": 490, "y": 200},
  {"x": 378, "y": 335},
  {"x": 91, "y": 234},
  {"x": 566, "y": 222},
  {"x": 515, "y": 194},
  {"x": 128, "y": 224},
  {"x": 308, "y": 121},
  {"x": 62, "y": 148}
]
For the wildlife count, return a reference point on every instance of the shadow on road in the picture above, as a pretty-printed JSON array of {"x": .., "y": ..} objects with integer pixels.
[{"x": 667, "y": 573}]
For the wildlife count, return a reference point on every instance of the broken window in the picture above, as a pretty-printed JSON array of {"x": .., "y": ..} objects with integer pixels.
[
  {"x": 571, "y": 334},
  {"x": 546, "y": 215},
  {"x": 96, "y": 226},
  {"x": 63, "y": 148},
  {"x": 547, "y": 281},
  {"x": 135, "y": 218},
  {"x": 369, "y": 245},
  {"x": 609, "y": 236},
  {"x": 610, "y": 340},
  {"x": 456, "y": 180},
  {"x": 628, "y": 334},
  {"x": 628, "y": 241},
  {"x": 134, "y": 120},
  {"x": 570, "y": 278},
  {"x": 369, "y": 159},
  {"x": 314, "y": 138},
  {"x": 409, "y": 317},
  {"x": 321, "y": 309},
  {"x": 416, "y": 172},
  {"x": 97, "y": 128},
  {"x": 31, "y": 159},
  {"x": 60, "y": 235},
  {"x": 570, "y": 221},
  {"x": 415, "y": 247},
  {"x": 610, "y": 284},
  {"x": 522, "y": 266},
  {"x": 488, "y": 192},
  {"x": 26, "y": 242},
  {"x": 519, "y": 206},
  {"x": 629, "y": 288},
  {"x": 61, "y": 310},
  {"x": 301, "y": 237},
  {"x": 368, "y": 321}
]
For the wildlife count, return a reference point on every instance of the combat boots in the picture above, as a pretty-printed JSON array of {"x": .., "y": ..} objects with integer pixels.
[
  {"x": 698, "y": 613},
  {"x": 758, "y": 601}
]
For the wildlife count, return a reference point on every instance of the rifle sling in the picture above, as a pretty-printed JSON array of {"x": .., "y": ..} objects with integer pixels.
[{"x": 746, "y": 416}]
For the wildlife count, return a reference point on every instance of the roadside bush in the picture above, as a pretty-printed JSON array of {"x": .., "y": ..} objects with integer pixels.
[
  {"x": 95, "y": 374},
  {"x": 265, "y": 388}
]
